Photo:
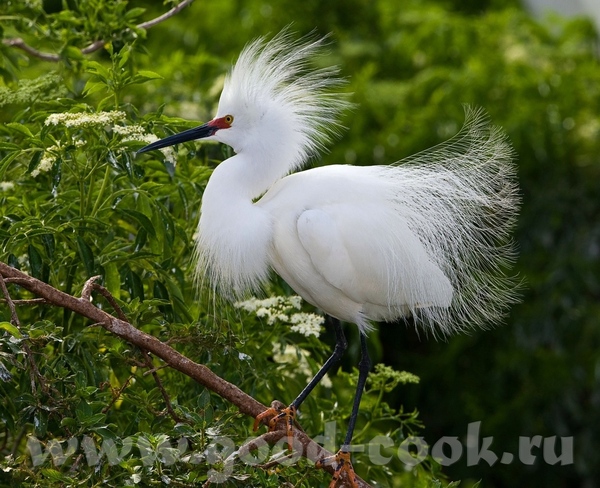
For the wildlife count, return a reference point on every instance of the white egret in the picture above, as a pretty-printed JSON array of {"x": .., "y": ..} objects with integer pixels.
[{"x": 427, "y": 237}]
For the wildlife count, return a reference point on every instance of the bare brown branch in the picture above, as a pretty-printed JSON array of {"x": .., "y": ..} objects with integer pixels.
[
  {"x": 94, "y": 46},
  {"x": 14, "y": 318},
  {"x": 303, "y": 444},
  {"x": 86, "y": 292},
  {"x": 161, "y": 18},
  {"x": 21, "y": 44},
  {"x": 91, "y": 285},
  {"x": 125, "y": 330}
]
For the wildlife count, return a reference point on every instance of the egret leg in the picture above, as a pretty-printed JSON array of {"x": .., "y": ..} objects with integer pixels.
[
  {"x": 340, "y": 346},
  {"x": 342, "y": 459},
  {"x": 289, "y": 413},
  {"x": 364, "y": 366}
]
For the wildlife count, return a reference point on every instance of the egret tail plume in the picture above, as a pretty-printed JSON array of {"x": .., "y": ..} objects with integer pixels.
[{"x": 461, "y": 199}]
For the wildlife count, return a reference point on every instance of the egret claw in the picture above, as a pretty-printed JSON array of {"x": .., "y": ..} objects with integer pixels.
[
  {"x": 289, "y": 413},
  {"x": 342, "y": 463}
]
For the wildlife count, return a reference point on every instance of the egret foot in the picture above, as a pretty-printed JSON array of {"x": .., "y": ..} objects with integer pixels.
[
  {"x": 277, "y": 414},
  {"x": 342, "y": 464}
]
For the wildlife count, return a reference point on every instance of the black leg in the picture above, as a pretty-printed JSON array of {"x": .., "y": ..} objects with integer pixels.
[
  {"x": 341, "y": 460},
  {"x": 363, "y": 371},
  {"x": 340, "y": 346}
]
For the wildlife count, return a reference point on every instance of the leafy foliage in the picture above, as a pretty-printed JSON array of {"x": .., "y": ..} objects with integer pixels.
[{"x": 75, "y": 203}]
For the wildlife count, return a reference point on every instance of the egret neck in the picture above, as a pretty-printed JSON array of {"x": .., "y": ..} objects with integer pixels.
[{"x": 234, "y": 233}]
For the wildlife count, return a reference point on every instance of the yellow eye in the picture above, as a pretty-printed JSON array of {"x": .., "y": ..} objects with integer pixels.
[{"x": 228, "y": 119}]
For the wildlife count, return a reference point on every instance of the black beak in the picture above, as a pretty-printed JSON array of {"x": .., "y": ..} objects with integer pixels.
[{"x": 205, "y": 130}]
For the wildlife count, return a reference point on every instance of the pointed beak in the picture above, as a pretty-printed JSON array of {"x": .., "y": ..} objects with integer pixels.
[{"x": 200, "y": 132}]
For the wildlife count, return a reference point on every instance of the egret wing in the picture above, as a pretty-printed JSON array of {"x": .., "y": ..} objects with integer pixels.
[{"x": 372, "y": 256}]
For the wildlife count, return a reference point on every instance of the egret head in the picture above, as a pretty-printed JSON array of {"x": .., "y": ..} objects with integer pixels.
[{"x": 271, "y": 100}]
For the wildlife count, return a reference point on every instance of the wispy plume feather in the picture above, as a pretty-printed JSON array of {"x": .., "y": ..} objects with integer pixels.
[
  {"x": 461, "y": 199},
  {"x": 276, "y": 75}
]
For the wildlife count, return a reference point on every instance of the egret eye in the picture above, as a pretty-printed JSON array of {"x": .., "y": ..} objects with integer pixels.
[{"x": 228, "y": 119}]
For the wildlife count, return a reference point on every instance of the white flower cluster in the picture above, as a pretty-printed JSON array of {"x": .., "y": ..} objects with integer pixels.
[
  {"x": 286, "y": 309},
  {"x": 104, "y": 119},
  {"x": 6, "y": 185},
  {"x": 294, "y": 360},
  {"x": 272, "y": 308},
  {"x": 283, "y": 309},
  {"x": 83, "y": 119},
  {"x": 134, "y": 133},
  {"x": 45, "y": 164},
  {"x": 307, "y": 324},
  {"x": 139, "y": 134}
]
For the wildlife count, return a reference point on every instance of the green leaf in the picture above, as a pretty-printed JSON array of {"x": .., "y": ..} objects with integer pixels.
[
  {"x": 106, "y": 103},
  {"x": 7, "y": 160},
  {"x": 49, "y": 244},
  {"x": 40, "y": 423},
  {"x": 35, "y": 160},
  {"x": 35, "y": 261},
  {"x": 112, "y": 279},
  {"x": 69, "y": 422},
  {"x": 9, "y": 146},
  {"x": 124, "y": 56},
  {"x": 143, "y": 76},
  {"x": 86, "y": 254},
  {"x": 141, "y": 219},
  {"x": 20, "y": 128},
  {"x": 160, "y": 291},
  {"x": 93, "y": 86},
  {"x": 134, "y": 13},
  {"x": 71, "y": 52},
  {"x": 168, "y": 226},
  {"x": 135, "y": 285},
  {"x": 93, "y": 419},
  {"x": 11, "y": 329},
  {"x": 83, "y": 410},
  {"x": 98, "y": 70},
  {"x": 140, "y": 240}
]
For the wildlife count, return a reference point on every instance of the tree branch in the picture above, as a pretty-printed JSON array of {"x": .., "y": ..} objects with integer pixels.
[
  {"x": 94, "y": 46},
  {"x": 303, "y": 444},
  {"x": 125, "y": 330},
  {"x": 161, "y": 18}
]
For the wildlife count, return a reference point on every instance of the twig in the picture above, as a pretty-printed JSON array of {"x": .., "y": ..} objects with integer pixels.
[
  {"x": 154, "y": 369},
  {"x": 125, "y": 330},
  {"x": 94, "y": 46},
  {"x": 86, "y": 292},
  {"x": 164, "y": 393},
  {"x": 21, "y": 44},
  {"x": 303, "y": 444},
  {"x": 110, "y": 299},
  {"x": 30, "y": 301},
  {"x": 90, "y": 285},
  {"x": 174, "y": 11},
  {"x": 119, "y": 392},
  {"x": 14, "y": 318}
]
